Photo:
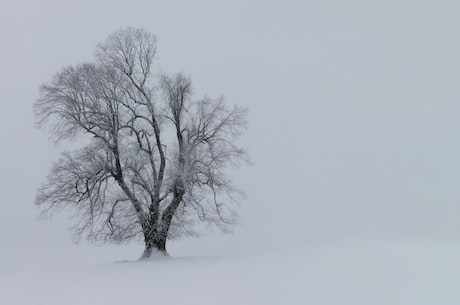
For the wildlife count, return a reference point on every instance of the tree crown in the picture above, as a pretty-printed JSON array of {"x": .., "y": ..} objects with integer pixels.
[{"x": 155, "y": 157}]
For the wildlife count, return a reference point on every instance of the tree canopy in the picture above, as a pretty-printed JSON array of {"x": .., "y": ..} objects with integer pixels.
[{"x": 153, "y": 159}]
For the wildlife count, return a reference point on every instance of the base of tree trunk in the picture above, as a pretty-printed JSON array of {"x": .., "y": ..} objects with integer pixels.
[{"x": 153, "y": 252}]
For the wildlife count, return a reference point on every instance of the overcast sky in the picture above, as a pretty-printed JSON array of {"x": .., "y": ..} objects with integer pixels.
[{"x": 354, "y": 112}]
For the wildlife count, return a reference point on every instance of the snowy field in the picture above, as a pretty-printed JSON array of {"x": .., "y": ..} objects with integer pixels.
[
  {"x": 348, "y": 273},
  {"x": 353, "y": 132}
]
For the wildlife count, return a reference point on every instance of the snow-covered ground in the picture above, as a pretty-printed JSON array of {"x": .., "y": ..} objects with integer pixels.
[{"x": 387, "y": 273}]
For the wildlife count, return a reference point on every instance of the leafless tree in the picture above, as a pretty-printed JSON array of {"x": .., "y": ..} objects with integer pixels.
[{"x": 154, "y": 158}]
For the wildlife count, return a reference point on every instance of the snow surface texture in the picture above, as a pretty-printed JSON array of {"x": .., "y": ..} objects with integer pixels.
[{"x": 350, "y": 273}]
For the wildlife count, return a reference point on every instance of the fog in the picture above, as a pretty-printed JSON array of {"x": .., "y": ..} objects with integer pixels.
[{"x": 353, "y": 107}]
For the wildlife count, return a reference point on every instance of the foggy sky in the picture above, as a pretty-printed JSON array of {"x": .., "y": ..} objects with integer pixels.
[{"x": 353, "y": 112}]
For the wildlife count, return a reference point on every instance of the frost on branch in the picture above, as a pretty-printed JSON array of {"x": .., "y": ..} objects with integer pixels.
[{"x": 155, "y": 158}]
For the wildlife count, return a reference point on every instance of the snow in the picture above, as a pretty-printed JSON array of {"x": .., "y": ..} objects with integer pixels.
[{"x": 415, "y": 272}]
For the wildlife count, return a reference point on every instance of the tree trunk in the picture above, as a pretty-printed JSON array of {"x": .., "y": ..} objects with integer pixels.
[
  {"x": 155, "y": 240},
  {"x": 154, "y": 247}
]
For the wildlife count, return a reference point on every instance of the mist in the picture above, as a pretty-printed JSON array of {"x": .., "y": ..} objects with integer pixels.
[{"x": 353, "y": 115}]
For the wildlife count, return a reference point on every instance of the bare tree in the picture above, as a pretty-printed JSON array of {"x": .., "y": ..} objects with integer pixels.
[{"x": 154, "y": 158}]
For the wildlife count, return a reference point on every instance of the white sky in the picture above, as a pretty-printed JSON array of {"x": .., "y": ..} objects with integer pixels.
[{"x": 353, "y": 111}]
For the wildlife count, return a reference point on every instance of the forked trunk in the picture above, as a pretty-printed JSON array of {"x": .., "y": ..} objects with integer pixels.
[
  {"x": 154, "y": 247},
  {"x": 155, "y": 239}
]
